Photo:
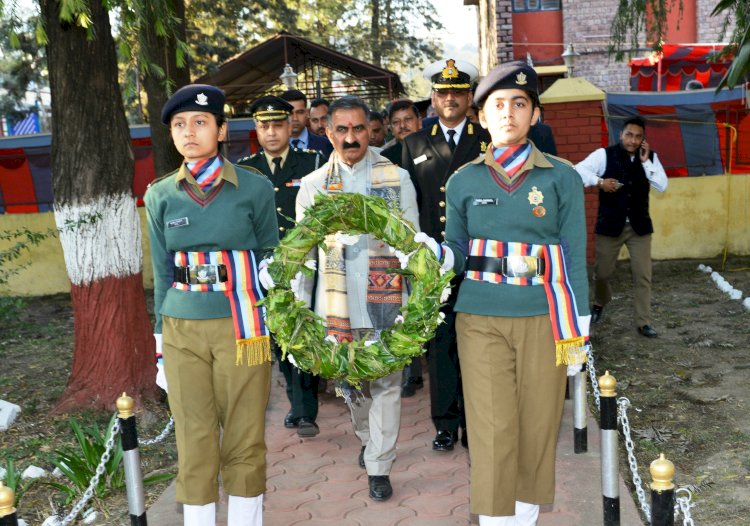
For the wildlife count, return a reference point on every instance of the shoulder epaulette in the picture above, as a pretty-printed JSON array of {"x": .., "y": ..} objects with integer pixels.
[
  {"x": 161, "y": 178},
  {"x": 556, "y": 158},
  {"x": 479, "y": 159},
  {"x": 251, "y": 169}
]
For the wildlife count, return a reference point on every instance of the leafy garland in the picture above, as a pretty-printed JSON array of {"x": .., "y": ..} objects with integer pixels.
[{"x": 301, "y": 332}]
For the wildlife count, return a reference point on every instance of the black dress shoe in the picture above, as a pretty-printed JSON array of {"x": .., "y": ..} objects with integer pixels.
[
  {"x": 380, "y": 487},
  {"x": 410, "y": 386},
  {"x": 596, "y": 313},
  {"x": 361, "y": 458},
  {"x": 444, "y": 440},
  {"x": 306, "y": 427},
  {"x": 648, "y": 331},
  {"x": 289, "y": 421}
]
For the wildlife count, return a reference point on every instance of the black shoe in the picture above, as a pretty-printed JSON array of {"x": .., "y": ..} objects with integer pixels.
[
  {"x": 306, "y": 427},
  {"x": 596, "y": 313},
  {"x": 361, "y": 458},
  {"x": 410, "y": 386},
  {"x": 648, "y": 331},
  {"x": 380, "y": 487},
  {"x": 444, "y": 440},
  {"x": 289, "y": 421}
]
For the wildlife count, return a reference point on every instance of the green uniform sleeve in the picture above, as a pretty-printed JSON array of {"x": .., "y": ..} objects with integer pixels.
[
  {"x": 456, "y": 230},
  {"x": 161, "y": 259},
  {"x": 572, "y": 217},
  {"x": 265, "y": 223}
]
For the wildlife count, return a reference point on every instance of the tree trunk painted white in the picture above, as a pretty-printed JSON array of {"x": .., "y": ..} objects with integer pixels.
[
  {"x": 101, "y": 243},
  {"x": 101, "y": 238}
]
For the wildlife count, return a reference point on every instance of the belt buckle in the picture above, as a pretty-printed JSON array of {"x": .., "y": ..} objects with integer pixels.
[
  {"x": 521, "y": 266},
  {"x": 204, "y": 274}
]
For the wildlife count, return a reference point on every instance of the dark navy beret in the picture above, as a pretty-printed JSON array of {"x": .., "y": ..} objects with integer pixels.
[
  {"x": 194, "y": 97},
  {"x": 510, "y": 75},
  {"x": 270, "y": 108}
]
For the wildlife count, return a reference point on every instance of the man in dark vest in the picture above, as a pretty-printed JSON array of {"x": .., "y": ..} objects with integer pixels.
[
  {"x": 431, "y": 155},
  {"x": 285, "y": 167},
  {"x": 624, "y": 173}
]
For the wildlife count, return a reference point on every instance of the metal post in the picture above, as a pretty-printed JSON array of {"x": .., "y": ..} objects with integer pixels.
[
  {"x": 580, "y": 424},
  {"x": 8, "y": 515},
  {"x": 662, "y": 492},
  {"x": 132, "y": 461},
  {"x": 610, "y": 468}
]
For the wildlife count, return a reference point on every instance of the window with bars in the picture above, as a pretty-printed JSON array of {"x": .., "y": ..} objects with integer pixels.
[{"x": 523, "y": 6}]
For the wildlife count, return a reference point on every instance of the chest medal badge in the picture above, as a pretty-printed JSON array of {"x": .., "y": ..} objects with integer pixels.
[{"x": 536, "y": 198}]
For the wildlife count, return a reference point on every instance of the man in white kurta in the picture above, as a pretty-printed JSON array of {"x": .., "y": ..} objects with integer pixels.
[{"x": 376, "y": 417}]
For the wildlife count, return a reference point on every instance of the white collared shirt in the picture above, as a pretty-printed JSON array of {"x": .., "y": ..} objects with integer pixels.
[
  {"x": 459, "y": 129},
  {"x": 592, "y": 168}
]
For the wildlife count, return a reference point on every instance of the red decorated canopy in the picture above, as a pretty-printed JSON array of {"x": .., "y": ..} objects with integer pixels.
[{"x": 677, "y": 65}]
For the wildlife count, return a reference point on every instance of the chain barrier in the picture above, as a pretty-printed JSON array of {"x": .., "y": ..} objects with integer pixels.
[
  {"x": 161, "y": 436},
  {"x": 110, "y": 445},
  {"x": 101, "y": 468},
  {"x": 592, "y": 375},
  {"x": 622, "y": 415},
  {"x": 683, "y": 505}
]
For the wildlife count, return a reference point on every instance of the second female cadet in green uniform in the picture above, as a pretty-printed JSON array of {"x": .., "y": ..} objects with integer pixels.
[
  {"x": 209, "y": 224},
  {"x": 516, "y": 226}
]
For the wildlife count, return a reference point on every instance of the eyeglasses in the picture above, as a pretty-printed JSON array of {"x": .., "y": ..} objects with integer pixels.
[{"x": 397, "y": 123}]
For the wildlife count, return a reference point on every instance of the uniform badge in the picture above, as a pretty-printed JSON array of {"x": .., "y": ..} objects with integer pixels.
[
  {"x": 450, "y": 71},
  {"x": 177, "y": 223},
  {"x": 521, "y": 79},
  {"x": 539, "y": 211},
  {"x": 482, "y": 146},
  {"x": 201, "y": 99},
  {"x": 418, "y": 160},
  {"x": 535, "y": 196}
]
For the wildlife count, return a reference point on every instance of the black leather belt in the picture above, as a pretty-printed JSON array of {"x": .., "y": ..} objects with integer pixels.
[
  {"x": 510, "y": 266},
  {"x": 201, "y": 274}
]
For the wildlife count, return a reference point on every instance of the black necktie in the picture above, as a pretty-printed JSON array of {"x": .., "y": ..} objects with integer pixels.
[
  {"x": 451, "y": 140},
  {"x": 276, "y": 166}
]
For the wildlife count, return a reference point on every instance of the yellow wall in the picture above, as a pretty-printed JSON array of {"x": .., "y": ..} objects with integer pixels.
[
  {"x": 690, "y": 221},
  {"x": 45, "y": 273}
]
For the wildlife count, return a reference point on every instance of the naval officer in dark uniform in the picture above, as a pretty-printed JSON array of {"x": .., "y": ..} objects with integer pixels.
[
  {"x": 431, "y": 155},
  {"x": 285, "y": 167}
]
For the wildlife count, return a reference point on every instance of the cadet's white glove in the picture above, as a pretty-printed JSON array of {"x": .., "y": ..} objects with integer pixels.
[
  {"x": 161, "y": 378},
  {"x": 265, "y": 278},
  {"x": 443, "y": 253},
  {"x": 584, "y": 323}
]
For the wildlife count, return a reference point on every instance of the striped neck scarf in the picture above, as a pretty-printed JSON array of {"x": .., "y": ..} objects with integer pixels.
[
  {"x": 206, "y": 171},
  {"x": 511, "y": 158}
]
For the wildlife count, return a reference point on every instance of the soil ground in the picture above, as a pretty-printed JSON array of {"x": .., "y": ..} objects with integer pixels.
[{"x": 688, "y": 389}]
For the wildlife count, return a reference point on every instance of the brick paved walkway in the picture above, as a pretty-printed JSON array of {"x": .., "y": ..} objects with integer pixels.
[{"x": 318, "y": 481}]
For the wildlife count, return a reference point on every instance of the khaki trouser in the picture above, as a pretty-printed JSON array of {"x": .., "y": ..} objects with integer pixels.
[
  {"x": 639, "y": 249},
  {"x": 208, "y": 391},
  {"x": 514, "y": 395}
]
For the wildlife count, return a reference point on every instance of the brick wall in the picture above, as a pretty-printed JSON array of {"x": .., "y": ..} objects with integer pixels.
[
  {"x": 504, "y": 21},
  {"x": 578, "y": 129},
  {"x": 587, "y": 26},
  {"x": 709, "y": 27}
]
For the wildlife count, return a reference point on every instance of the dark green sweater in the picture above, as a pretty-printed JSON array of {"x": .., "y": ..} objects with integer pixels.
[
  {"x": 478, "y": 208},
  {"x": 240, "y": 215}
]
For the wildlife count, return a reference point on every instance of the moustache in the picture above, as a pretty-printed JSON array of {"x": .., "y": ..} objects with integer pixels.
[{"x": 355, "y": 144}]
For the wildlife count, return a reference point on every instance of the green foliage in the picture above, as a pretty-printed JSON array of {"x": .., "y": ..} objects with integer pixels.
[
  {"x": 740, "y": 46},
  {"x": 14, "y": 481},
  {"x": 79, "y": 466},
  {"x": 18, "y": 242}
]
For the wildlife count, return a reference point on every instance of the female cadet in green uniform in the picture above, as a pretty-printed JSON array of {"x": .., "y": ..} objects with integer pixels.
[
  {"x": 209, "y": 224},
  {"x": 516, "y": 226}
]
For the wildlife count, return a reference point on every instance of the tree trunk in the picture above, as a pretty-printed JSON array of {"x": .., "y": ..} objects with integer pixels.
[
  {"x": 95, "y": 211},
  {"x": 377, "y": 58},
  {"x": 162, "y": 52}
]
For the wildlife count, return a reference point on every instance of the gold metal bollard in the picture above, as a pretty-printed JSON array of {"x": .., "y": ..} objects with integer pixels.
[
  {"x": 662, "y": 492},
  {"x": 7, "y": 511}
]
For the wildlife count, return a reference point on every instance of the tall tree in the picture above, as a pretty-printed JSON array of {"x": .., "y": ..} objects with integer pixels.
[{"x": 95, "y": 210}]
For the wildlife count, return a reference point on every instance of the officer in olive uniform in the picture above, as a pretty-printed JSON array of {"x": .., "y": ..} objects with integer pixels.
[
  {"x": 431, "y": 155},
  {"x": 285, "y": 167}
]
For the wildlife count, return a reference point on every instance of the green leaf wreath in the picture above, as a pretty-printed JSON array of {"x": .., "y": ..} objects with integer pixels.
[{"x": 301, "y": 332}]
